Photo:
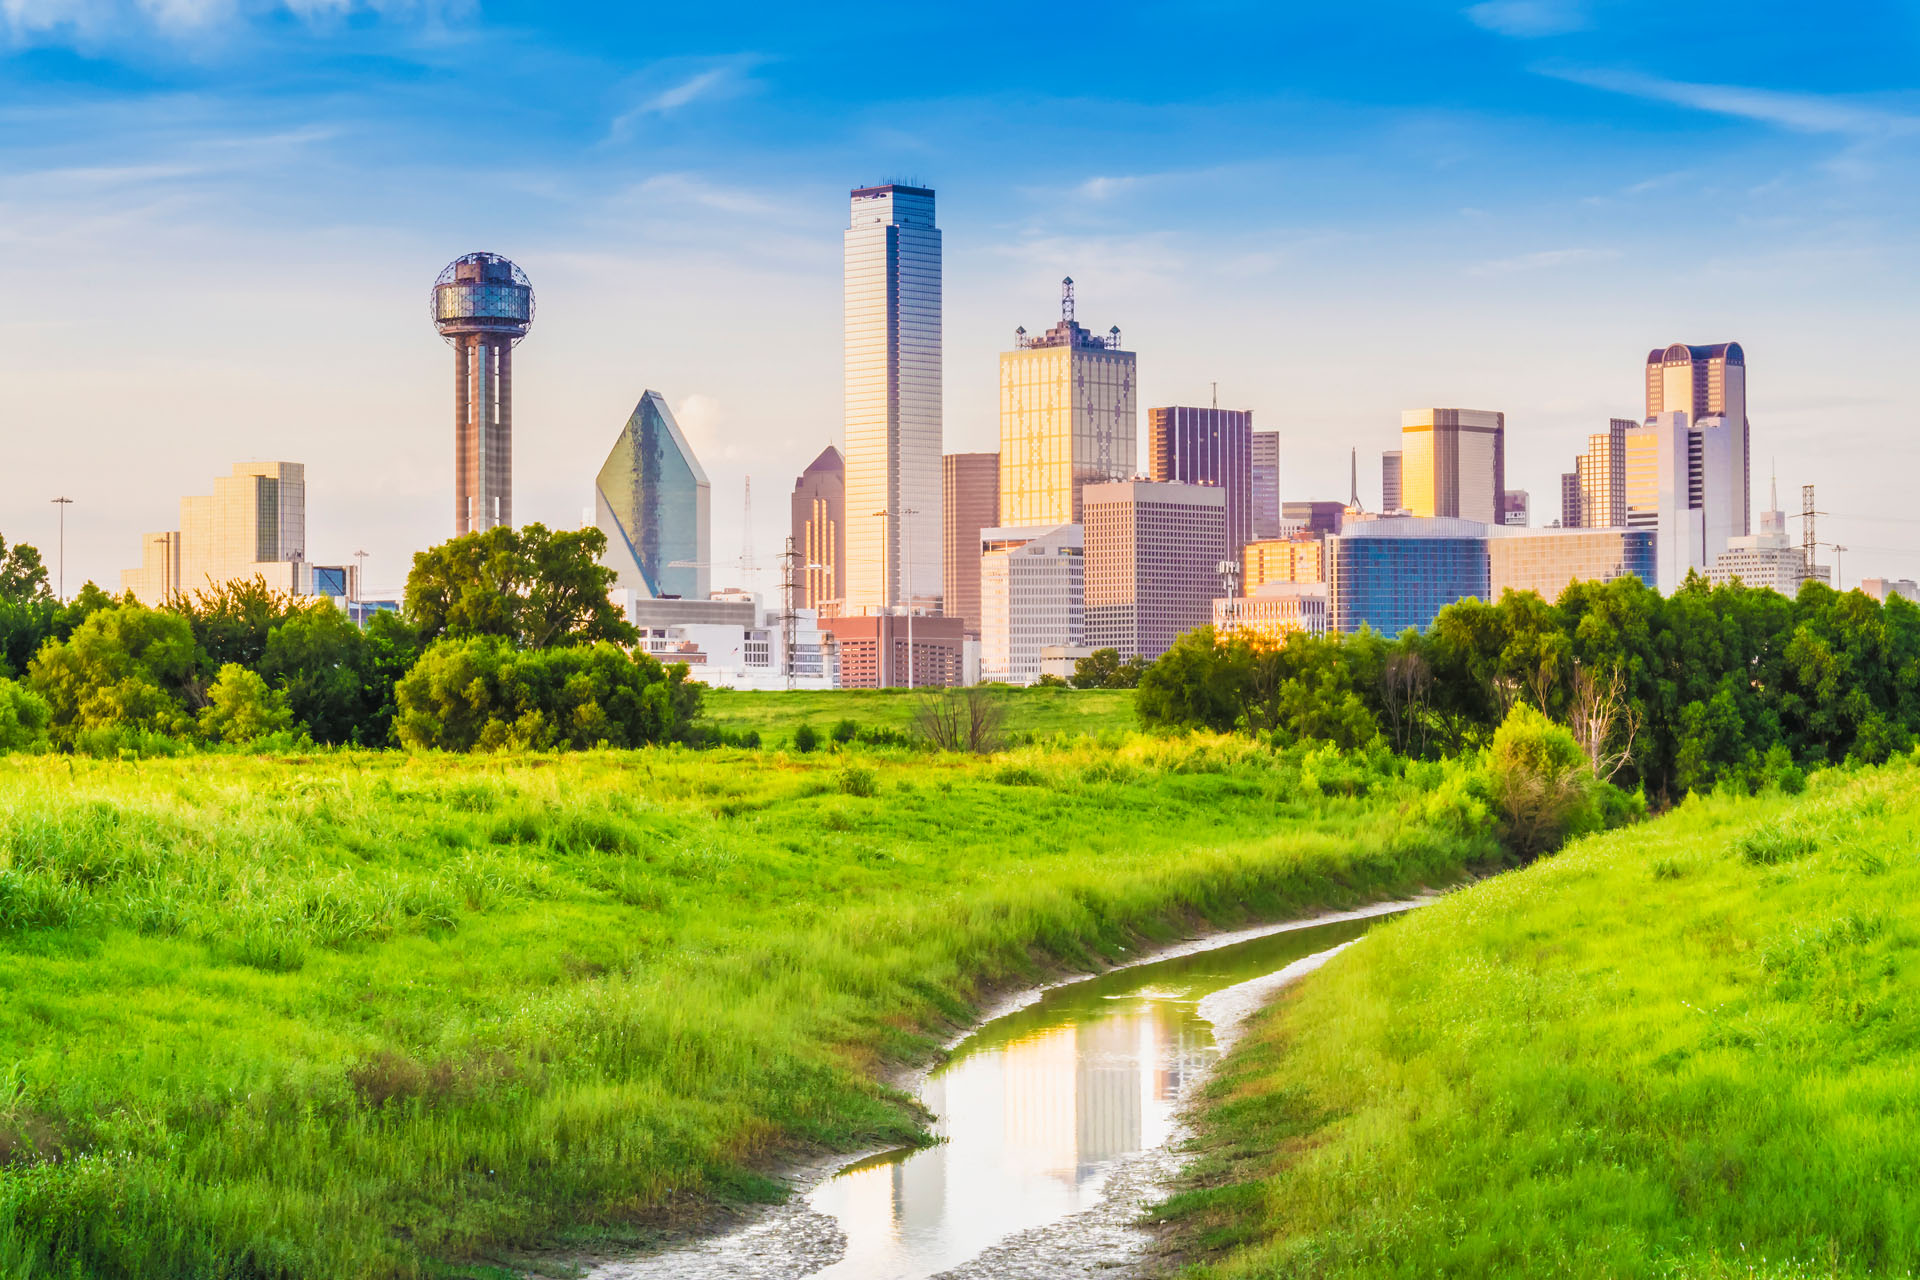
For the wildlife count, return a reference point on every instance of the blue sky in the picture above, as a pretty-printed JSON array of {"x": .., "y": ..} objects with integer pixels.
[{"x": 219, "y": 219}]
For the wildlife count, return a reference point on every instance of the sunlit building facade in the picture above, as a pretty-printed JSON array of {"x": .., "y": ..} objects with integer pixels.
[
  {"x": 893, "y": 399},
  {"x": 819, "y": 510},
  {"x": 1282, "y": 560},
  {"x": 1453, "y": 463},
  {"x": 1067, "y": 419},
  {"x": 1032, "y": 596},
  {"x": 1546, "y": 561},
  {"x": 253, "y": 525},
  {"x": 1708, "y": 382},
  {"x": 970, "y": 502},
  {"x": 1273, "y": 612},
  {"x": 653, "y": 502},
  {"x": 1391, "y": 499},
  {"x": 1153, "y": 560}
]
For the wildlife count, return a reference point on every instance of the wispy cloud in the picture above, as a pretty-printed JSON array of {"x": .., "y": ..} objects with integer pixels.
[
  {"x": 1542, "y": 260},
  {"x": 723, "y": 79},
  {"x": 93, "y": 24},
  {"x": 1810, "y": 113},
  {"x": 1530, "y": 19}
]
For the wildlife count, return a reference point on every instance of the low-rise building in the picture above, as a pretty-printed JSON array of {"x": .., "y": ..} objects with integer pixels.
[{"x": 1274, "y": 611}]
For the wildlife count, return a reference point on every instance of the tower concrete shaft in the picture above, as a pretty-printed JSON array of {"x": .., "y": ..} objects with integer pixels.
[{"x": 483, "y": 431}]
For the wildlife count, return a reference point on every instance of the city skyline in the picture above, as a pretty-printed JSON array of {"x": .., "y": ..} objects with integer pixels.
[{"x": 708, "y": 179}]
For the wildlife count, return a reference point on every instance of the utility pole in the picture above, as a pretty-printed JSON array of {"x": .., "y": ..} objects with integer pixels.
[
  {"x": 359, "y": 596},
  {"x": 63, "y": 503},
  {"x": 1838, "y": 582},
  {"x": 906, "y": 559}
]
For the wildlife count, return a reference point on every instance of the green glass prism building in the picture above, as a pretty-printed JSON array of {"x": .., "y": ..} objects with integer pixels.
[{"x": 654, "y": 503}]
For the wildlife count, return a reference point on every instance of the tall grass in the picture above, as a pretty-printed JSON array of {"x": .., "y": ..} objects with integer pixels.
[
  {"x": 1687, "y": 1049},
  {"x": 1037, "y": 711},
  {"x": 370, "y": 1015}
]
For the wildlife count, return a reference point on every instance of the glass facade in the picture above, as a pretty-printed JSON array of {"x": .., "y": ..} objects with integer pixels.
[
  {"x": 893, "y": 531},
  {"x": 1068, "y": 419},
  {"x": 1266, "y": 484},
  {"x": 653, "y": 502},
  {"x": 1207, "y": 446},
  {"x": 1548, "y": 560},
  {"x": 1391, "y": 583}
]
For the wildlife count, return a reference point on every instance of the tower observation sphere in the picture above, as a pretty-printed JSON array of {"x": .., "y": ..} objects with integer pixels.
[{"x": 482, "y": 305}]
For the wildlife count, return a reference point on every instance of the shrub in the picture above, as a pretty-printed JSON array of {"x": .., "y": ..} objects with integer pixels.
[
  {"x": 240, "y": 707},
  {"x": 805, "y": 739},
  {"x": 960, "y": 720},
  {"x": 858, "y": 780},
  {"x": 1541, "y": 781},
  {"x": 1772, "y": 843},
  {"x": 844, "y": 732},
  {"x": 24, "y": 715}
]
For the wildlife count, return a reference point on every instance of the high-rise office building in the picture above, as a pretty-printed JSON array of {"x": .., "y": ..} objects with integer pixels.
[
  {"x": 1032, "y": 595},
  {"x": 1516, "y": 508},
  {"x": 653, "y": 502},
  {"x": 1207, "y": 446},
  {"x": 1153, "y": 563},
  {"x": 1709, "y": 382},
  {"x": 893, "y": 370},
  {"x": 1599, "y": 480},
  {"x": 820, "y": 530},
  {"x": 1680, "y": 482},
  {"x": 1390, "y": 494},
  {"x": 970, "y": 502},
  {"x": 254, "y": 525},
  {"x": 1313, "y": 517},
  {"x": 1571, "y": 516},
  {"x": 1265, "y": 496},
  {"x": 1546, "y": 561},
  {"x": 483, "y": 306},
  {"x": 1453, "y": 462},
  {"x": 1067, "y": 418}
]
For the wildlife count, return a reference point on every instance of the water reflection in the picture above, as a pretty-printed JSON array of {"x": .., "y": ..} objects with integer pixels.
[{"x": 1036, "y": 1107}]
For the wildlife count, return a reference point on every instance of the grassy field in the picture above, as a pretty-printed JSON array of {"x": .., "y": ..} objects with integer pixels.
[
  {"x": 1041, "y": 712},
  {"x": 1686, "y": 1049},
  {"x": 369, "y": 1015}
]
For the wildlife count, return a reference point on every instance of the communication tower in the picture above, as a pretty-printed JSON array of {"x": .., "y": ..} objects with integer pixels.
[{"x": 482, "y": 305}]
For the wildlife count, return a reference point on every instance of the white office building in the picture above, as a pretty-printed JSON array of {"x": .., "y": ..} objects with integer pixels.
[
  {"x": 1684, "y": 480},
  {"x": 1032, "y": 597},
  {"x": 893, "y": 523},
  {"x": 1768, "y": 558}
]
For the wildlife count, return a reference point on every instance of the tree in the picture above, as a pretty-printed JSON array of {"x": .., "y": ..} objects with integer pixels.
[
  {"x": 28, "y": 611},
  {"x": 322, "y": 665},
  {"x": 1103, "y": 669},
  {"x": 1197, "y": 683},
  {"x": 22, "y": 575},
  {"x": 1541, "y": 782},
  {"x": 241, "y": 708},
  {"x": 232, "y": 620},
  {"x": 128, "y": 667},
  {"x": 533, "y": 587},
  {"x": 482, "y": 694},
  {"x": 1603, "y": 722}
]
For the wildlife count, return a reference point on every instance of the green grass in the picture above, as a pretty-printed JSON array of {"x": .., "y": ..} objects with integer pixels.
[
  {"x": 1041, "y": 712},
  {"x": 371, "y": 1014},
  {"x": 1690, "y": 1048}
]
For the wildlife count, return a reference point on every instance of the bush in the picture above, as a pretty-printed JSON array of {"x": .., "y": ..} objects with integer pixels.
[
  {"x": 858, "y": 780},
  {"x": 24, "y": 716},
  {"x": 805, "y": 740},
  {"x": 1541, "y": 781},
  {"x": 844, "y": 732},
  {"x": 240, "y": 707}
]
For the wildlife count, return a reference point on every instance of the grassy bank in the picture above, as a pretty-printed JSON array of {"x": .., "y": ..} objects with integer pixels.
[
  {"x": 362, "y": 1015},
  {"x": 1690, "y": 1048},
  {"x": 1041, "y": 712}
]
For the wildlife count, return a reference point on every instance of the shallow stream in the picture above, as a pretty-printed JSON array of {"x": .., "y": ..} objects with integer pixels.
[{"x": 1053, "y": 1123}]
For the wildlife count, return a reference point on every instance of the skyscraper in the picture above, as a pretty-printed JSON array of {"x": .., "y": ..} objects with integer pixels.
[
  {"x": 1067, "y": 418},
  {"x": 483, "y": 306},
  {"x": 1153, "y": 563},
  {"x": 1032, "y": 595},
  {"x": 1453, "y": 463},
  {"x": 1600, "y": 478},
  {"x": 893, "y": 526},
  {"x": 819, "y": 529},
  {"x": 653, "y": 502},
  {"x": 969, "y": 502},
  {"x": 1266, "y": 484},
  {"x": 1707, "y": 382},
  {"x": 253, "y": 525},
  {"x": 1390, "y": 495},
  {"x": 1680, "y": 481},
  {"x": 1207, "y": 446}
]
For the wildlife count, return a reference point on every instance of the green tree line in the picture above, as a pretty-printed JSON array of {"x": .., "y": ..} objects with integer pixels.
[
  {"x": 509, "y": 640},
  {"x": 1710, "y": 686}
]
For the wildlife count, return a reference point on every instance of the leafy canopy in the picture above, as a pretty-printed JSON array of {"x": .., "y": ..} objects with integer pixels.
[{"x": 533, "y": 587}]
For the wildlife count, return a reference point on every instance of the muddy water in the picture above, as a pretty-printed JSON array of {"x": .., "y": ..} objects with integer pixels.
[{"x": 1052, "y": 1126}]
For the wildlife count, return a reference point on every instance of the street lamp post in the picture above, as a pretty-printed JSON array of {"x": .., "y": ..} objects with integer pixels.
[
  {"x": 63, "y": 503},
  {"x": 906, "y": 557}
]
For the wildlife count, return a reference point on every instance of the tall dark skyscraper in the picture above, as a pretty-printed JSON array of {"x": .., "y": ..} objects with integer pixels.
[
  {"x": 483, "y": 306},
  {"x": 1207, "y": 446}
]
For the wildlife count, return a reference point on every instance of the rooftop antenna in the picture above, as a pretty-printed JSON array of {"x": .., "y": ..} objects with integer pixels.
[
  {"x": 1216, "y": 395},
  {"x": 747, "y": 567},
  {"x": 1066, "y": 301},
  {"x": 1807, "y": 513},
  {"x": 1354, "y": 502}
]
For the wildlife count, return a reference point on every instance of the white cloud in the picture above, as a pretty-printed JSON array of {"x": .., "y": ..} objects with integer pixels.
[
  {"x": 1796, "y": 112},
  {"x": 91, "y": 24},
  {"x": 1542, "y": 260},
  {"x": 1530, "y": 19},
  {"x": 723, "y": 79}
]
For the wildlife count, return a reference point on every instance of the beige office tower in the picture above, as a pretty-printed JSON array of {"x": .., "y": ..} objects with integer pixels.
[
  {"x": 1453, "y": 462},
  {"x": 253, "y": 525},
  {"x": 1067, "y": 419},
  {"x": 1153, "y": 560},
  {"x": 893, "y": 530},
  {"x": 1704, "y": 383},
  {"x": 969, "y": 502},
  {"x": 1600, "y": 478}
]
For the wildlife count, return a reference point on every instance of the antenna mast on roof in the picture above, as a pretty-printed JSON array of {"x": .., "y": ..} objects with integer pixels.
[
  {"x": 748, "y": 569},
  {"x": 1066, "y": 301}
]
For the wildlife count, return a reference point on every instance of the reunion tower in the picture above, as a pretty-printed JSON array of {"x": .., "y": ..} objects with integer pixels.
[{"x": 483, "y": 305}]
